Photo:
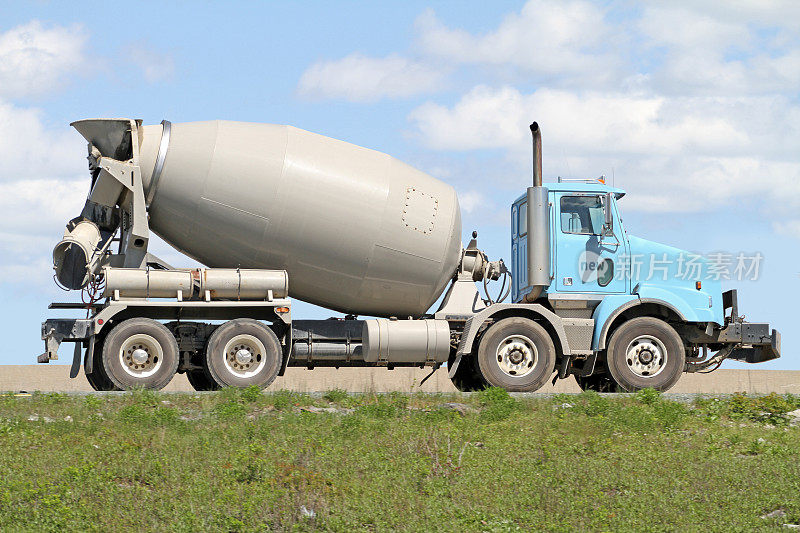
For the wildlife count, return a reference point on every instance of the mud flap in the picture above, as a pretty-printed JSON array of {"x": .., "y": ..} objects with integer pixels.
[{"x": 76, "y": 361}]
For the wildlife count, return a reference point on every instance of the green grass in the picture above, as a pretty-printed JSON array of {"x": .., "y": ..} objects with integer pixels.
[{"x": 246, "y": 461}]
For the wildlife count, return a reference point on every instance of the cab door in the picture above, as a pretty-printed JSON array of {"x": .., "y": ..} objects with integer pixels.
[
  {"x": 588, "y": 259},
  {"x": 519, "y": 250}
]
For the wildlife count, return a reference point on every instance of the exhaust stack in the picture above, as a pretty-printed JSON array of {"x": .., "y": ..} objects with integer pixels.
[
  {"x": 538, "y": 225},
  {"x": 537, "y": 154}
]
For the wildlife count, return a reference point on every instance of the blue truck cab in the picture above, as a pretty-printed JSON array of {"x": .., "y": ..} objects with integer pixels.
[{"x": 604, "y": 281}]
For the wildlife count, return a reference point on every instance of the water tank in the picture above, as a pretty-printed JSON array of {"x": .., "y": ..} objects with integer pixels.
[{"x": 357, "y": 230}]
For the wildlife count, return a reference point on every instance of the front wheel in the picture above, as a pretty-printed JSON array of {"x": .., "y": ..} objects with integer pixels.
[
  {"x": 516, "y": 354},
  {"x": 645, "y": 352}
]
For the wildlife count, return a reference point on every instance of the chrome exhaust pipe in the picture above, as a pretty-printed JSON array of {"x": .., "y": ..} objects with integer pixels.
[
  {"x": 537, "y": 154},
  {"x": 538, "y": 225}
]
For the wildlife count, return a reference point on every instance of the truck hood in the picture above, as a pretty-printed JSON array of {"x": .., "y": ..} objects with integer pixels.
[{"x": 669, "y": 274}]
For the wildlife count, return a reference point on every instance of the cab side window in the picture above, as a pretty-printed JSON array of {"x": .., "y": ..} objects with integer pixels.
[
  {"x": 582, "y": 215},
  {"x": 523, "y": 220}
]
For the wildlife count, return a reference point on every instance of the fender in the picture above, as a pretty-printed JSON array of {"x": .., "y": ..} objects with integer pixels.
[
  {"x": 691, "y": 304},
  {"x": 601, "y": 333},
  {"x": 476, "y": 321}
]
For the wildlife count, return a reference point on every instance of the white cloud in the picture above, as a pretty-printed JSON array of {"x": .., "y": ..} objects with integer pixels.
[
  {"x": 31, "y": 149},
  {"x": 592, "y": 122},
  {"x": 43, "y": 184},
  {"x": 559, "y": 40},
  {"x": 688, "y": 29},
  {"x": 775, "y": 13},
  {"x": 789, "y": 227},
  {"x": 37, "y": 207},
  {"x": 483, "y": 118},
  {"x": 692, "y": 105},
  {"x": 472, "y": 201},
  {"x": 34, "y": 216},
  {"x": 359, "y": 78},
  {"x": 35, "y": 59},
  {"x": 156, "y": 66},
  {"x": 705, "y": 151},
  {"x": 40, "y": 165},
  {"x": 706, "y": 52}
]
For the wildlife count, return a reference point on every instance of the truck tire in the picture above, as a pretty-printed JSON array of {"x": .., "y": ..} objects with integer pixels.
[
  {"x": 645, "y": 352},
  {"x": 140, "y": 352},
  {"x": 598, "y": 383},
  {"x": 201, "y": 380},
  {"x": 98, "y": 379},
  {"x": 516, "y": 354},
  {"x": 243, "y": 352},
  {"x": 467, "y": 377}
]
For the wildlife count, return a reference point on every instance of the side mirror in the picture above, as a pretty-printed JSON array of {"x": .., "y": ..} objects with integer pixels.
[{"x": 608, "y": 224}]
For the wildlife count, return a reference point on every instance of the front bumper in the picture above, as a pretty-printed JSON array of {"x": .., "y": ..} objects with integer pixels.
[{"x": 753, "y": 342}]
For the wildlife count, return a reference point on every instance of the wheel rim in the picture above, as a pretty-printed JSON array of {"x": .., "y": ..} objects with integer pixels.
[
  {"x": 141, "y": 355},
  {"x": 516, "y": 356},
  {"x": 245, "y": 356},
  {"x": 646, "y": 356}
]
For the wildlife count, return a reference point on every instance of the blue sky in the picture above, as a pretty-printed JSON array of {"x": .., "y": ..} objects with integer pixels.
[{"x": 692, "y": 107}]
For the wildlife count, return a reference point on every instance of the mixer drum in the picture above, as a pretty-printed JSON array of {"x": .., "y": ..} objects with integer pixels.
[{"x": 357, "y": 230}]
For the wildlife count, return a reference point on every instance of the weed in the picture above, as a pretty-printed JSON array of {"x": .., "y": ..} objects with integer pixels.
[
  {"x": 228, "y": 394},
  {"x": 648, "y": 396},
  {"x": 229, "y": 410},
  {"x": 144, "y": 397},
  {"x": 497, "y": 404},
  {"x": 133, "y": 413},
  {"x": 670, "y": 414},
  {"x": 282, "y": 400},
  {"x": 383, "y": 406},
  {"x": 251, "y": 394},
  {"x": 586, "y": 467},
  {"x": 92, "y": 402},
  {"x": 711, "y": 409},
  {"x": 138, "y": 413},
  {"x": 593, "y": 404},
  {"x": 232, "y": 524},
  {"x": 769, "y": 409},
  {"x": 336, "y": 396},
  {"x": 445, "y": 458}
]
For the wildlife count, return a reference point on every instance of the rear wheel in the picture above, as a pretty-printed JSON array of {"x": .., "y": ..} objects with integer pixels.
[
  {"x": 98, "y": 379},
  {"x": 516, "y": 354},
  {"x": 140, "y": 352},
  {"x": 646, "y": 352},
  {"x": 243, "y": 352}
]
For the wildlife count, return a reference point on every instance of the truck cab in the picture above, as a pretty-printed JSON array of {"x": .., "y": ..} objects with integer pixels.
[
  {"x": 601, "y": 274},
  {"x": 587, "y": 258}
]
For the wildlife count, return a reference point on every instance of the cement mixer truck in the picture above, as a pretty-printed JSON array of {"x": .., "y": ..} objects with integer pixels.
[{"x": 276, "y": 213}]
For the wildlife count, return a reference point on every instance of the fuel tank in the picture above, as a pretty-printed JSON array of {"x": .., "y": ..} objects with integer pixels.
[{"x": 357, "y": 230}]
